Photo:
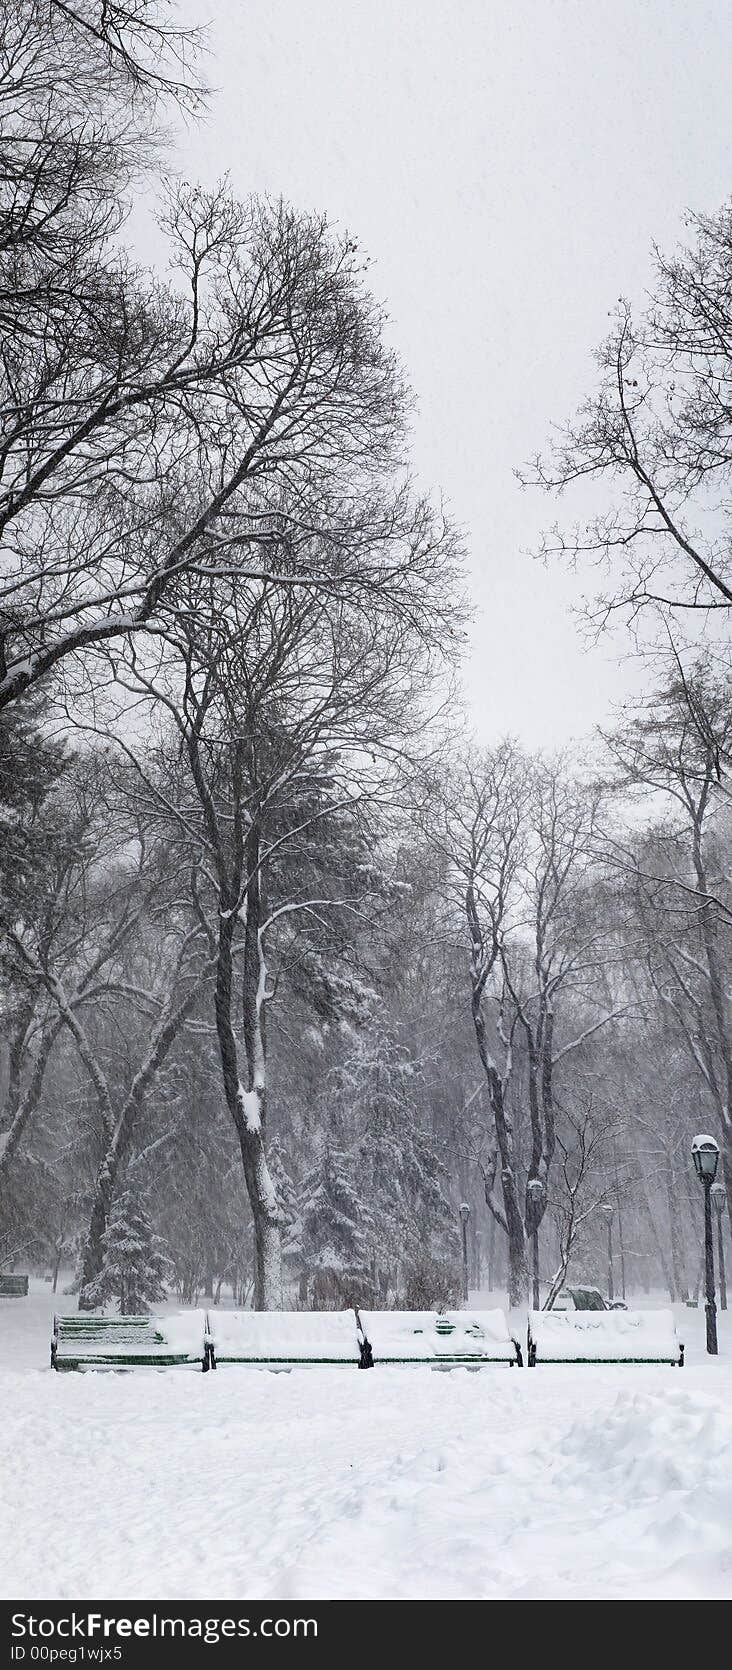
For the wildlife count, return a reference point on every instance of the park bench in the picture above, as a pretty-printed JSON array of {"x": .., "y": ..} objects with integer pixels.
[
  {"x": 622, "y": 1336},
  {"x": 454, "y": 1339},
  {"x": 83, "y": 1341},
  {"x": 13, "y": 1287},
  {"x": 282, "y": 1340}
]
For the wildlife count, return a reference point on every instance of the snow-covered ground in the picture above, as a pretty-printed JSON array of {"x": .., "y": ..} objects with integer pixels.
[{"x": 561, "y": 1482}]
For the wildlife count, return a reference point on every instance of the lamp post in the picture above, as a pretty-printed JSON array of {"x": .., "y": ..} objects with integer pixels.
[
  {"x": 705, "y": 1154},
  {"x": 719, "y": 1196},
  {"x": 608, "y": 1211},
  {"x": 464, "y": 1215},
  {"x": 535, "y": 1190}
]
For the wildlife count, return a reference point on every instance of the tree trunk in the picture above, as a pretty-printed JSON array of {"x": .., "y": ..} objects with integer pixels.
[
  {"x": 518, "y": 1269},
  {"x": 247, "y": 1105},
  {"x": 491, "y": 1251},
  {"x": 513, "y": 1222},
  {"x": 93, "y": 1256},
  {"x": 677, "y": 1243}
]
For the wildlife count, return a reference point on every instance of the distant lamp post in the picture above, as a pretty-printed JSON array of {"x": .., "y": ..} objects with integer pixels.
[
  {"x": 608, "y": 1212},
  {"x": 705, "y": 1154},
  {"x": 464, "y": 1215},
  {"x": 536, "y": 1192},
  {"x": 719, "y": 1197}
]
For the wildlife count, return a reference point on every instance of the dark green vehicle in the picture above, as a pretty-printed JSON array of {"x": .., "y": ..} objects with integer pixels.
[{"x": 585, "y": 1298}]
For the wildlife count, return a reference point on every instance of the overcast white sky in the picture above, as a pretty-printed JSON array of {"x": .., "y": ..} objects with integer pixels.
[{"x": 506, "y": 164}]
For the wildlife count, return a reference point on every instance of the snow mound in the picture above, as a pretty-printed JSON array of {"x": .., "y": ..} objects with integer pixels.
[{"x": 673, "y": 1458}]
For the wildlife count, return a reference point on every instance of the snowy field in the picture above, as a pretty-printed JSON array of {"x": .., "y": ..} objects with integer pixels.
[{"x": 559, "y": 1482}]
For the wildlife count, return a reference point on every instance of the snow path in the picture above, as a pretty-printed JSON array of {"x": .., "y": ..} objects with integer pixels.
[{"x": 560, "y": 1482}]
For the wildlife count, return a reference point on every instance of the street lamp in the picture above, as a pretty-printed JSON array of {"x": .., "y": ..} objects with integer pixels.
[
  {"x": 705, "y": 1154},
  {"x": 464, "y": 1215},
  {"x": 719, "y": 1196},
  {"x": 535, "y": 1190},
  {"x": 608, "y": 1211}
]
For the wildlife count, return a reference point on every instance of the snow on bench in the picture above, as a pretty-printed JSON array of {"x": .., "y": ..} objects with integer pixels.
[
  {"x": 84, "y": 1341},
  {"x": 616, "y": 1336},
  {"x": 283, "y": 1339},
  {"x": 448, "y": 1341}
]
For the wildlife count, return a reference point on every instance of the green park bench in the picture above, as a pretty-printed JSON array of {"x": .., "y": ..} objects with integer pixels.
[
  {"x": 83, "y": 1341},
  {"x": 450, "y": 1339},
  {"x": 283, "y": 1340},
  {"x": 616, "y": 1336},
  {"x": 13, "y": 1287}
]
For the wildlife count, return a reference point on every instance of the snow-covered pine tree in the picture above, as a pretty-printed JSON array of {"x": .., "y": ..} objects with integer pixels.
[
  {"x": 400, "y": 1161},
  {"x": 333, "y": 1227},
  {"x": 283, "y": 1177},
  {"x": 135, "y": 1266}
]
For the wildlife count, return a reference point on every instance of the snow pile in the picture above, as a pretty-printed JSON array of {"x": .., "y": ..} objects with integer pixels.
[
  {"x": 604, "y": 1336},
  {"x": 284, "y": 1336},
  {"x": 419, "y": 1336},
  {"x": 669, "y": 1460}
]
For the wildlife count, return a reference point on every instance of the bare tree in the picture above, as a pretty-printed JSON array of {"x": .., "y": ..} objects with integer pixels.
[
  {"x": 519, "y": 840},
  {"x": 63, "y": 932},
  {"x": 244, "y": 420},
  {"x": 579, "y": 1187},
  {"x": 678, "y": 871},
  {"x": 655, "y": 434}
]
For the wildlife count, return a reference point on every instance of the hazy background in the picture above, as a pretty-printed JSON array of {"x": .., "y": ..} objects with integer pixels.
[{"x": 506, "y": 166}]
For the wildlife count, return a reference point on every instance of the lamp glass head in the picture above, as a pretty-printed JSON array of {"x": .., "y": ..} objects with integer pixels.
[{"x": 705, "y": 1154}]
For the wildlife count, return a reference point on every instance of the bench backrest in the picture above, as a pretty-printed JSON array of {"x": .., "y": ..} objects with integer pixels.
[
  {"x": 284, "y": 1336},
  {"x": 180, "y": 1334},
  {"x": 427, "y": 1336},
  {"x": 13, "y": 1287},
  {"x": 615, "y": 1336}
]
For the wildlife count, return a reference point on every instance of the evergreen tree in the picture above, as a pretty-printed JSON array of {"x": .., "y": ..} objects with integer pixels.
[
  {"x": 400, "y": 1162},
  {"x": 135, "y": 1266},
  {"x": 332, "y": 1229},
  {"x": 282, "y": 1174}
]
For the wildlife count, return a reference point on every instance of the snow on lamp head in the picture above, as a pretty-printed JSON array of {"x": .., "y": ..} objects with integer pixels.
[
  {"x": 464, "y": 1211},
  {"x": 705, "y": 1154}
]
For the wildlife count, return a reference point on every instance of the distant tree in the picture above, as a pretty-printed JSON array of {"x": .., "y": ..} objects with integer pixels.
[
  {"x": 672, "y": 754},
  {"x": 284, "y": 1181},
  {"x": 334, "y": 1242},
  {"x": 379, "y": 1093},
  {"x": 134, "y": 1265},
  {"x": 519, "y": 837}
]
